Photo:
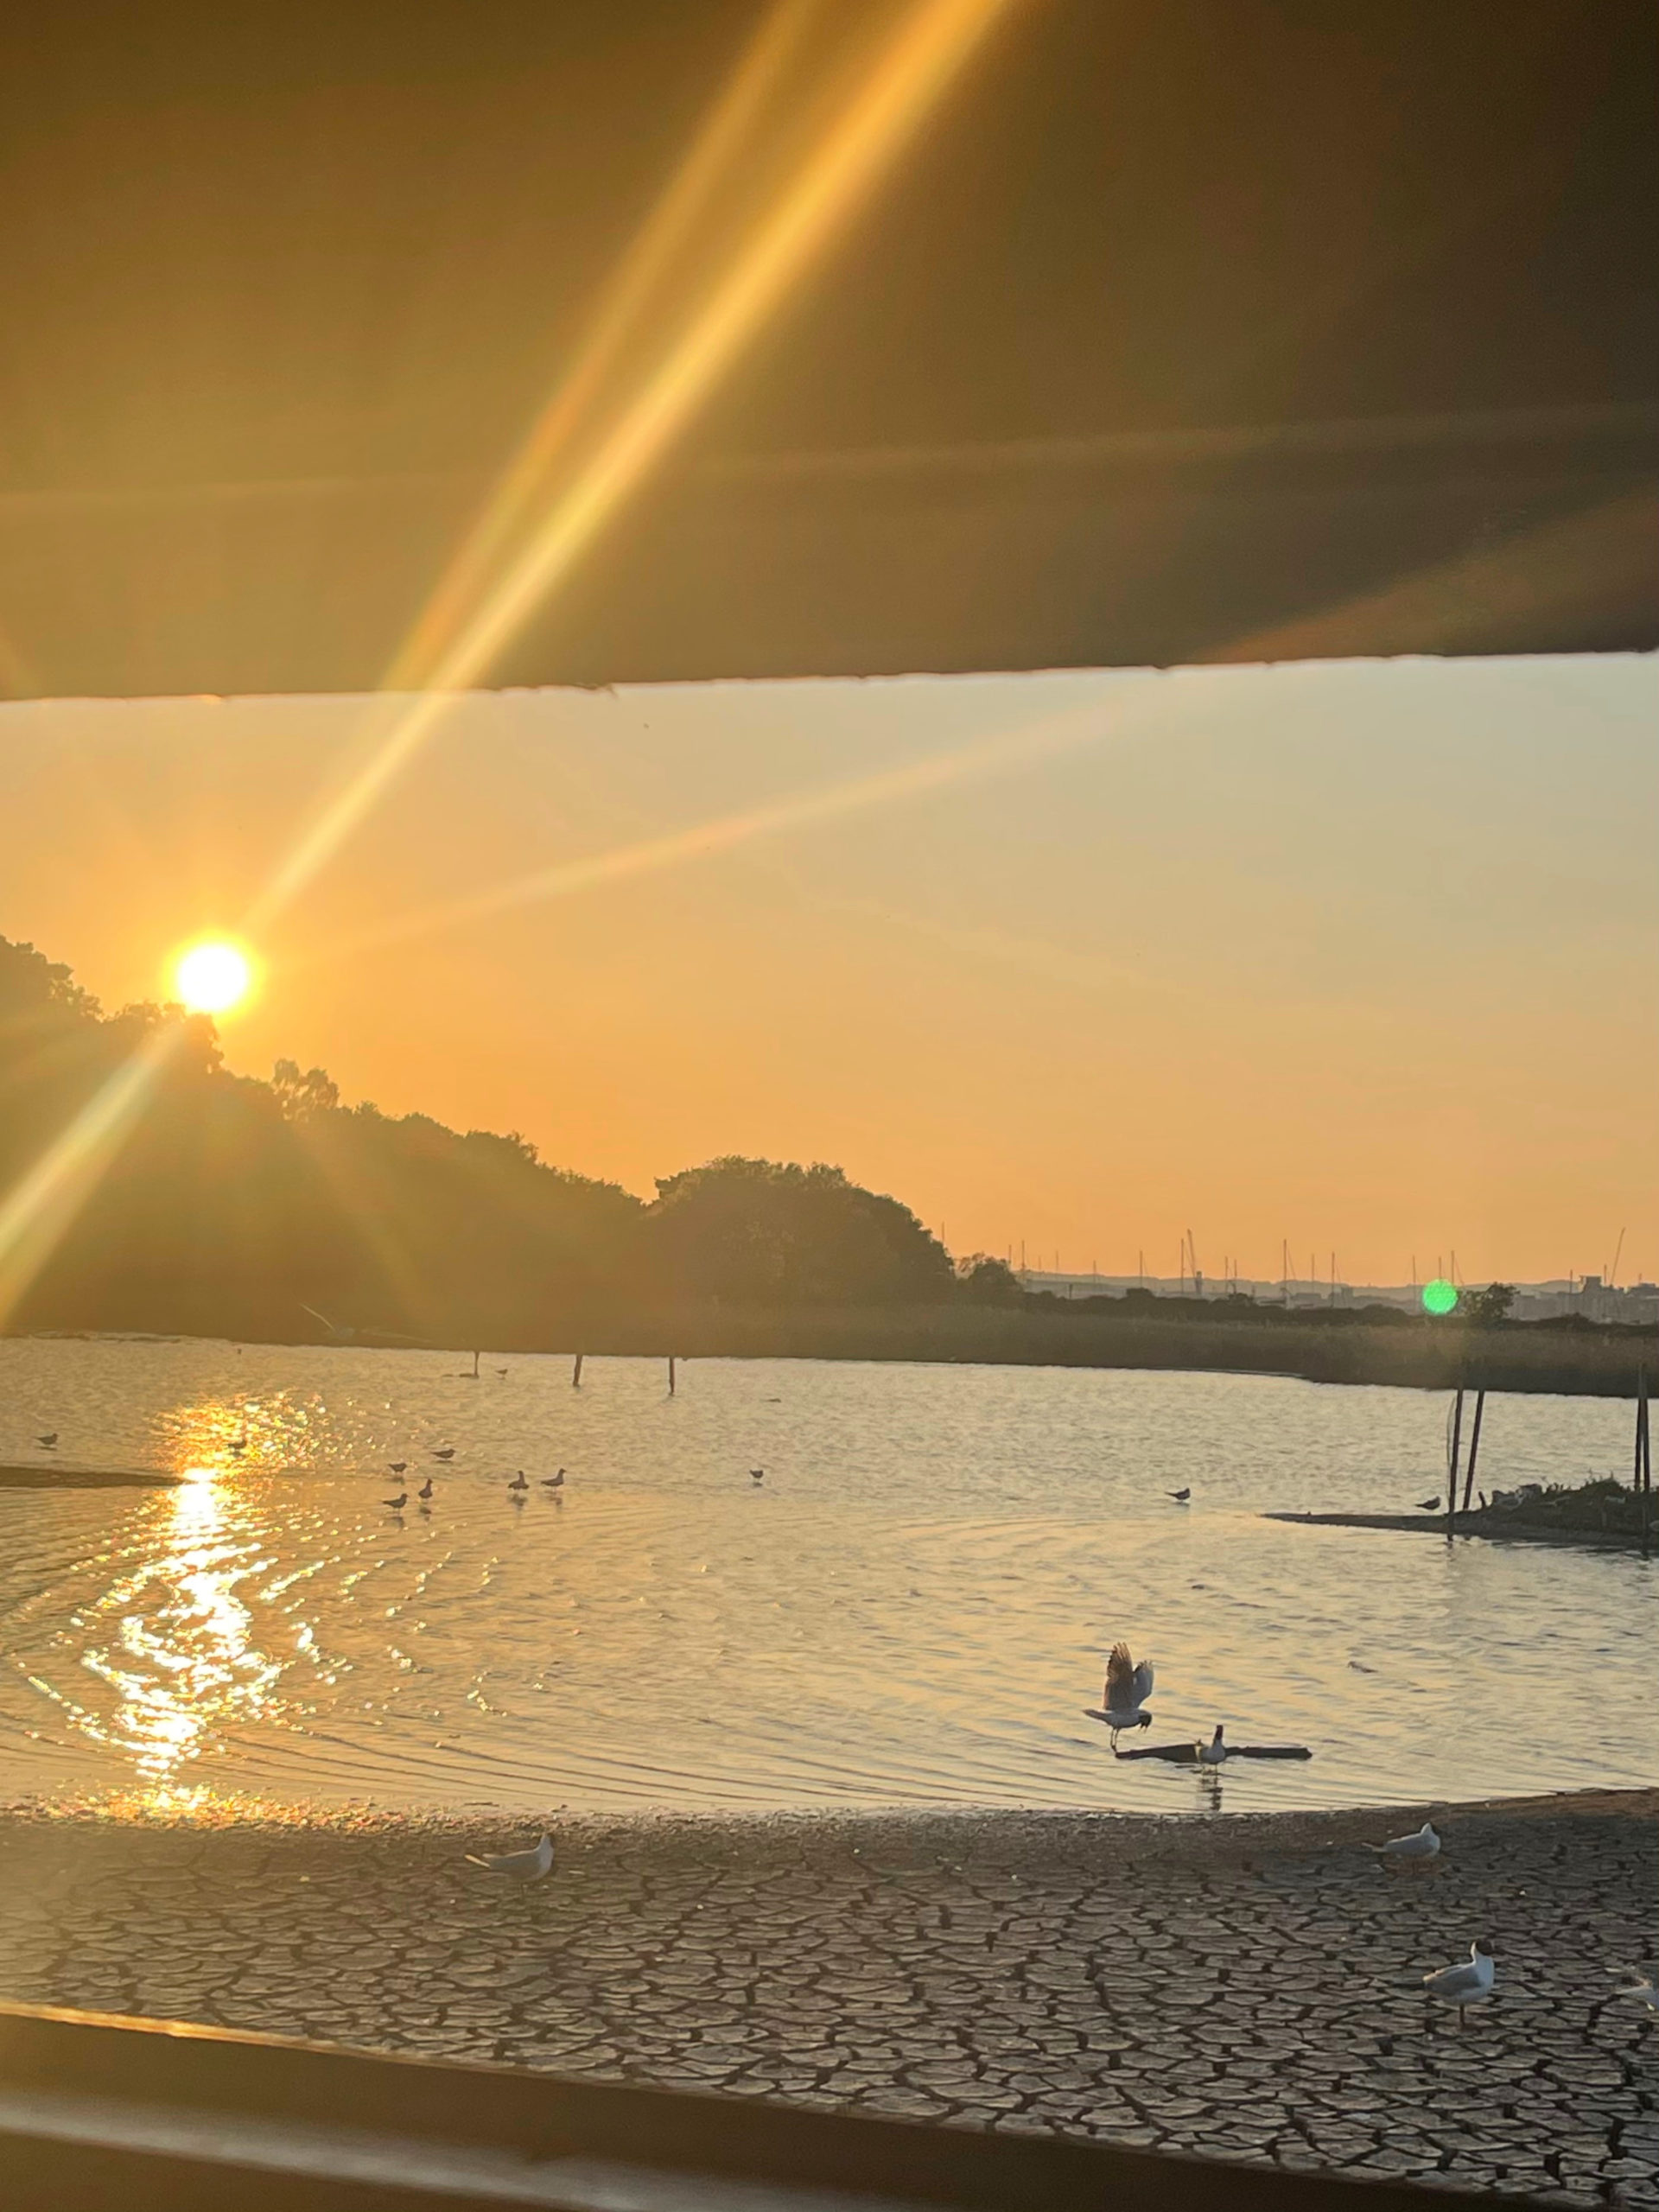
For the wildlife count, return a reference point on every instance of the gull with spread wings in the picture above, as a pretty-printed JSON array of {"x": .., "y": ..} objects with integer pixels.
[{"x": 1128, "y": 1688}]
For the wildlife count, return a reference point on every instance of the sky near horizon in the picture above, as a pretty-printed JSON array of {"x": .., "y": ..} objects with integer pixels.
[{"x": 1361, "y": 954}]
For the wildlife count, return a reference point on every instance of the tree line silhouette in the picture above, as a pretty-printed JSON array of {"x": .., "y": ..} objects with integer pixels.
[{"x": 242, "y": 1208}]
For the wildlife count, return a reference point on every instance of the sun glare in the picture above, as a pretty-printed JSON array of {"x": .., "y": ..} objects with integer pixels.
[{"x": 212, "y": 977}]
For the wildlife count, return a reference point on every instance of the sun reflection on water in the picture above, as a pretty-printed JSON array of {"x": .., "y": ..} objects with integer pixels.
[{"x": 183, "y": 1659}]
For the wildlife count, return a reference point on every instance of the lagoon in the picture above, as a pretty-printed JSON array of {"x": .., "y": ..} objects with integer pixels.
[{"x": 911, "y": 1608}]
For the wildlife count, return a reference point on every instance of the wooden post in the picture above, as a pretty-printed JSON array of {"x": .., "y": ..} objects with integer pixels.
[
  {"x": 1644, "y": 1459},
  {"x": 1457, "y": 1454},
  {"x": 1474, "y": 1449},
  {"x": 671, "y": 1374},
  {"x": 575, "y": 1373}
]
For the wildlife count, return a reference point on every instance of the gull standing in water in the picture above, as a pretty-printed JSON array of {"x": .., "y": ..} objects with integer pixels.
[
  {"x": 1213, "y": 1752},
  {"x": 1416, "y": 1849},
  {"x": 425, "y": 1489},
  {"x": 520, "y": 1481},
  {"x": 398, "y": 1502},
  {"x": 1128, "y": 1688},
  {"x": 1469, "y": 1983}
]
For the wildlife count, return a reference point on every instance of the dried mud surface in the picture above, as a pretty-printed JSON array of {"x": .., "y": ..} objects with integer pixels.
[{"x": 1239, "y": 1986}]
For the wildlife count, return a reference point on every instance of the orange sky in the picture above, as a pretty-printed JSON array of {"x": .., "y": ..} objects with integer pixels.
[{"x": 1363, "y": 956}]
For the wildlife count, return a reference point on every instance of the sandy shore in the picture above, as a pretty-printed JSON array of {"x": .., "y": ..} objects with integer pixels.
[{"x": 1244, "y": 1985}]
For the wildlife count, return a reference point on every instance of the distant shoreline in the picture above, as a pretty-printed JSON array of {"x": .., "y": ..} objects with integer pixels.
[{"x": 1421, "y": 1356}]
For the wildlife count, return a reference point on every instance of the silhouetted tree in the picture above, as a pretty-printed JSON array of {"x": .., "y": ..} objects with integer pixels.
[
  {"x": 986, "y": 1281},
  {"x": 1491, "y": 1304},
  {"x": 758, "y": 1233}
]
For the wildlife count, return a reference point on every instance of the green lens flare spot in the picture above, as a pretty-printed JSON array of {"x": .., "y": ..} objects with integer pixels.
[{"x": 1439, "y": 1297}]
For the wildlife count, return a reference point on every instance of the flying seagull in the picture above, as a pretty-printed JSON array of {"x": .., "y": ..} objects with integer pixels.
[
  {"x": 517, "y": 1865},
  {"x": 398, "y": 1502},
  {"x": 1416, "y": 1849},
  {"x": 1468, "y": 1983},
  {"x": 1639, "y": 1985},
  {"x": 1180, "y": 1496},
  {"x": 1128, "y": 1688}
]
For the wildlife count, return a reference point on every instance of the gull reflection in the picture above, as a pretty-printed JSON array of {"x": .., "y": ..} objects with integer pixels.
[{"x": 183, "y": 1659}]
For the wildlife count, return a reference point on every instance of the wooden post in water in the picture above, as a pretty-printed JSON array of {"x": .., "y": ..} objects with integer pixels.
[
  {"x": 671, "y": 1374},
  {"x": 1457, "y": 1454},
  {"x": 575, "y": 1372},
  {"x": 1474, "y": 1449},
  {"x": 1643, "y": 1459}
]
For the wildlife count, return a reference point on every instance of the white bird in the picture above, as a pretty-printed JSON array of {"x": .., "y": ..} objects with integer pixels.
[
  {"x": 1213, "y": 1752},
  {"x": 1128, "y": 1688},
  {"x": 1416, "y": 1849},
  {"x": 1468, "y": 1983},
  {"x": 517, "y": 1865},
  {"x": 1641, "y": 1987}
]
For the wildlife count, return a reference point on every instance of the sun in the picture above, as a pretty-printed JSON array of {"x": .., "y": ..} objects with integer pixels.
[{"x": 211, "y": 976}]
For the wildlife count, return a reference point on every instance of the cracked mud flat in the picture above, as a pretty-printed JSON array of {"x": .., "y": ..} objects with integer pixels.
[{"x": 1244, "y": 1987}]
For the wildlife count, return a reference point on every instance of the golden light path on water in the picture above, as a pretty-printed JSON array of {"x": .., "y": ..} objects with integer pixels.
[{"x": 912, "y": 1608}]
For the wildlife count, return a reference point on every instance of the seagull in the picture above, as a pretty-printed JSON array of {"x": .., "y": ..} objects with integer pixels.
[
  {"x": 1466, "y": 1984},
  {"x": 1410, "y": 1850},
  {"x": 757, "y": 1474},
  {"x": 553, "y": 1482},
  {"x": 1213, "y": 1752},
  {"x": 1180, "y": 1496},
  {"x": 1429, "y": 1505},
  {"x": 520, "y": 1481},
  {"x": 517, "y": 1865},
  {"x": 48, "y": 1440},
  {"x": 448, "y": 1452},
  {"x": 425, "y": 1489},
  {"x": 1639, "y": 1985},
  {"x": 1128, "y": 1688},
  {"x": 398, "y": 1502},
  {"x": 397, "y": 1466}
]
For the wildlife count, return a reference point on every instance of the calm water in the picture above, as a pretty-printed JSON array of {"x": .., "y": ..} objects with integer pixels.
[{"x": 912, "y": 1609}]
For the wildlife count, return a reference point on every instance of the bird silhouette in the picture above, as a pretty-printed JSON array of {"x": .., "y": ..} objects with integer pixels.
[
  {"x": 553, "y": 1482},
  {"x": 48, "y": 1440},
  {"x": 425, "y": 1489},
  {"x": 757, "y": 1474},
  {"x": 398, "y": 1502},
  {"x": 448, "y": 1452},
  {"x": 501, "y": 1370},
  {"x": 520, "y": 1481},
  {"x": 1180, "y": 1496},
  {"x": 1429, "y": 1505}
]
